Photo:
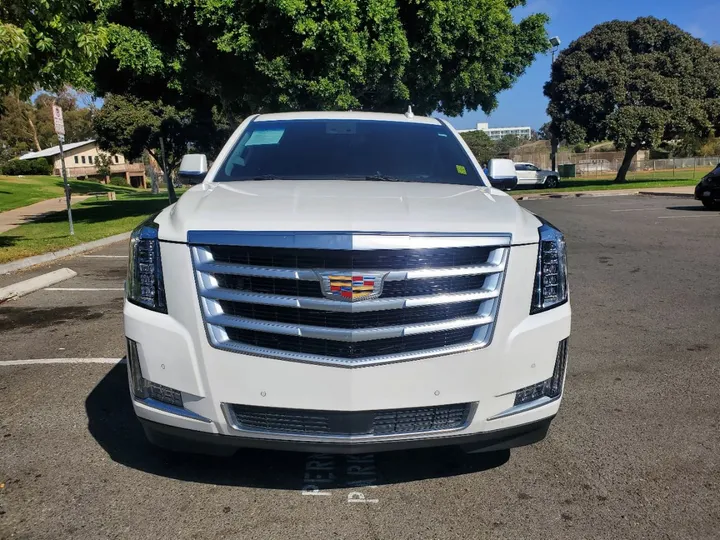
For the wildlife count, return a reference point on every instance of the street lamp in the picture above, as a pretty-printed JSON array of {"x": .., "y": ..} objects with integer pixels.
[{"x": 555, "y": 44}]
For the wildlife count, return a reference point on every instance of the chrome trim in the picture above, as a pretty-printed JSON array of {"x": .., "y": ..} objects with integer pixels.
[
  {"x": 325, "y": 304},
  {"x": 255, "y": 271},
  {"x": 232, "y": 422},
  {"x": 312, "y": 275},
  {"x": 172, "y": 409},
  {"x": 210, "y": 294},
  {"x": 524, "y": 407},
  {"x": 346, "y": 240},
  {"x": 219, "y": 339},
  {"x": 342, "y": 334}
]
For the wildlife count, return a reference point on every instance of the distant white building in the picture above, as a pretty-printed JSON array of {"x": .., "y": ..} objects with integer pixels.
[{"x": 499, "y": 132}]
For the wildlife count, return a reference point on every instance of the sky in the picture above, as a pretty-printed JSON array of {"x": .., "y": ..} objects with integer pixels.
[{"x": 524, "y": 104}]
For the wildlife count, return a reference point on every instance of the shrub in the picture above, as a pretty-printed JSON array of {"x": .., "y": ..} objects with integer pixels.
[
  {"x": 118, "y": 181},
  {"x": 16, "y": 167}
]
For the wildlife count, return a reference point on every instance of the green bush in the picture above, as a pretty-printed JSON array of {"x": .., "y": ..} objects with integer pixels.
[
  {"x": 118, "y": 181},
  {"x": 15, "y": 167}
]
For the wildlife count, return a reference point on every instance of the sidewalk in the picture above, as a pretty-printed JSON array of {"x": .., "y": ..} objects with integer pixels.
[
  {"x": 26, "y": 214},
  {"x": 681, "y": 191}
]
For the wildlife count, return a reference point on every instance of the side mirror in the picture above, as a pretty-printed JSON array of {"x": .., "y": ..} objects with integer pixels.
[{"x": 193, "y": 169}]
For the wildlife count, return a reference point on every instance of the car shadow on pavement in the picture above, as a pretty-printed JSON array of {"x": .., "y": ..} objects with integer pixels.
[
  {"x": 112, "y": 422},
  {"x": 695, "y": 208}
]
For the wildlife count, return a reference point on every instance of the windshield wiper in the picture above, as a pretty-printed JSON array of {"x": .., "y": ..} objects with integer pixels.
[
  {"x": 383, "y": 178},
  {"x": 266, "y": 177}
]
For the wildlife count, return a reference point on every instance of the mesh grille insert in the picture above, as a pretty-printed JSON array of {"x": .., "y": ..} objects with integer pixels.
[{"x": 377, "y": 423}]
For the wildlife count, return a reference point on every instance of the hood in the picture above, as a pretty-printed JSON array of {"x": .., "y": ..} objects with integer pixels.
[{"x": 353, "y": 206}]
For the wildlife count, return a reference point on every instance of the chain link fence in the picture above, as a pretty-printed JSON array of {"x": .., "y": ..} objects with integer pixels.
[{"x": 595, "y": 165}]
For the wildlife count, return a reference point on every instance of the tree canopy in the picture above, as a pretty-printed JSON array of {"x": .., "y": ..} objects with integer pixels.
[
  {"x": 480, "y": 144},
  {"x": 248, "y": 56},
  {"x": 49, "y": 44},
  {"x": 26, "y": 126},
  {"x": 635, "y": 83}
]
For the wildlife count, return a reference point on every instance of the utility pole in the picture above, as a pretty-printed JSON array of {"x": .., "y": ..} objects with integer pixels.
[
  {"x": 554, "y": 143},
  {"x": 60, "y": 130}
]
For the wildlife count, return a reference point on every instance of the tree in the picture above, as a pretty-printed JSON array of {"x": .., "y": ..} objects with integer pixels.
[
  {"x": 507, "y": 143},
  {"x": 48, "y": 44},
  {"x": 544, "y": 132},
  {"x": 27, "y": 126},
  {"x": 480, "y": 144},
  {"x": 243, "y": 57},
  {"x": 104, "y": 160},
  {"x": 130, "y": 126},
  {"x": 635, "y": 83}
]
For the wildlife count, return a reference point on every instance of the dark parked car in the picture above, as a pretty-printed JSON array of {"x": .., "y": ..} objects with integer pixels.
[{"x": 708, "y": 190}]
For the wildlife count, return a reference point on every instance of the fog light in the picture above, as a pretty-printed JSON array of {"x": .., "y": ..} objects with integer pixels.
[
  {"x": 551, "y": 387},
  {"x": 144, "y": 389}
]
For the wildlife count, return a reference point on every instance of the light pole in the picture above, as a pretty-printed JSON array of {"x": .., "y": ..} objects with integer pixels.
[{"x": 555, "y": 44}]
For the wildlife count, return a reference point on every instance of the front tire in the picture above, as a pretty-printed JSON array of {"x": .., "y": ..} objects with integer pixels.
[
  {"x": 710, "y": 205},
  {"x": 552, "y": 182}
]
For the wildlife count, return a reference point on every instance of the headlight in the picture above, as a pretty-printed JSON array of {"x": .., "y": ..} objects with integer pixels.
[
  {"x": 144, "y": 285},
  {"x": 550, "y": 288}
]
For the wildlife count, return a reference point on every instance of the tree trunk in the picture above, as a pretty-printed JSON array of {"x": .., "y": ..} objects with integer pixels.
[
  {"x": 166, "y": 174},
  {"x": 630, "y": 152},
  {"x": 34, "y": 133}
]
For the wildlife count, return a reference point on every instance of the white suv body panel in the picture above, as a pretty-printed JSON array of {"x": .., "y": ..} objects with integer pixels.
[{"x": 174, "y": 349}]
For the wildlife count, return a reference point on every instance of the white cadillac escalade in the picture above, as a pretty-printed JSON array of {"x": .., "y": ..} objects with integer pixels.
[{"x": 345, "y": 282}]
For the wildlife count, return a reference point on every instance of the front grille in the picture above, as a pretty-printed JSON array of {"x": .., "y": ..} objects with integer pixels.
[
  {"x": 356, "y": 423},
  {"x": 279, "y": 302},
  {"x": 369, "y": 319},
  {"x": 350, "y": 350}
]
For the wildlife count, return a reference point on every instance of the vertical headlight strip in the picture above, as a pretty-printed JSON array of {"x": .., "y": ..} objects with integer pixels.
[
  {"x": 550, "y": 289},
  {"x": 145, "y": 286}
]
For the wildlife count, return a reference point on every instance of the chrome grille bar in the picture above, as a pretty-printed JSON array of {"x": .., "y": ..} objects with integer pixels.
[
  {"x": 338, "y": 334},
  {"x": 224, "y": 285}
]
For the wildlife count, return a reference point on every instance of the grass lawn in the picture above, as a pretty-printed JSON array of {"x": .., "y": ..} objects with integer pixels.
[
  {"x": 93, "y": 220},
  {"x": 636, "y": 180},
  {"x": 18, "y": 191}
]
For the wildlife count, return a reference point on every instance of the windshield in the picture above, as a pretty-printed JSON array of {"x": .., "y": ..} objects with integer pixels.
[{"x": 349, "y": 149}]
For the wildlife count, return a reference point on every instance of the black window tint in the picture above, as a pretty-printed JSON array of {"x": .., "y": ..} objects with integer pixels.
[{"x": 354, "y": 149}]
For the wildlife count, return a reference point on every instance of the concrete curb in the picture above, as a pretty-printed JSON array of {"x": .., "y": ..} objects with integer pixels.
[
  {"x": 16, "y": 290},
  {"x": 608, "y": 193},
  {"x": 49, "y": 257},
  {"x": 660, "y": 194}
]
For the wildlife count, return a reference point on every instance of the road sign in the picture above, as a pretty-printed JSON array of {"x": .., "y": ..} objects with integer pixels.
[{"x": 58, "y": 120}]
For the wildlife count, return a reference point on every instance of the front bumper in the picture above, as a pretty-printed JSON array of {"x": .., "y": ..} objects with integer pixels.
[
  {"x": 178, "y": 439},
  {"x": 174, "y": 351},
  {"x": 707, "y": 193}
]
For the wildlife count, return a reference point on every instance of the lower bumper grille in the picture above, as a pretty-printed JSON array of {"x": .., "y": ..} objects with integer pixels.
[{"x": 360, "y": 423}]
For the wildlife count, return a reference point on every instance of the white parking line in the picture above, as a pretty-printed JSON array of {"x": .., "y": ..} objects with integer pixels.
[
  {"x": 42, "y": 361},
  {"x": 635, "y": 209},
  {"x": 76, "y": 289},
  {"x": 106, "y": 256}
]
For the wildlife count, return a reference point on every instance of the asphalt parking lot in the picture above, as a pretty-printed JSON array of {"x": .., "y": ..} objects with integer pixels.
[{"x": 634, "y": 452}]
